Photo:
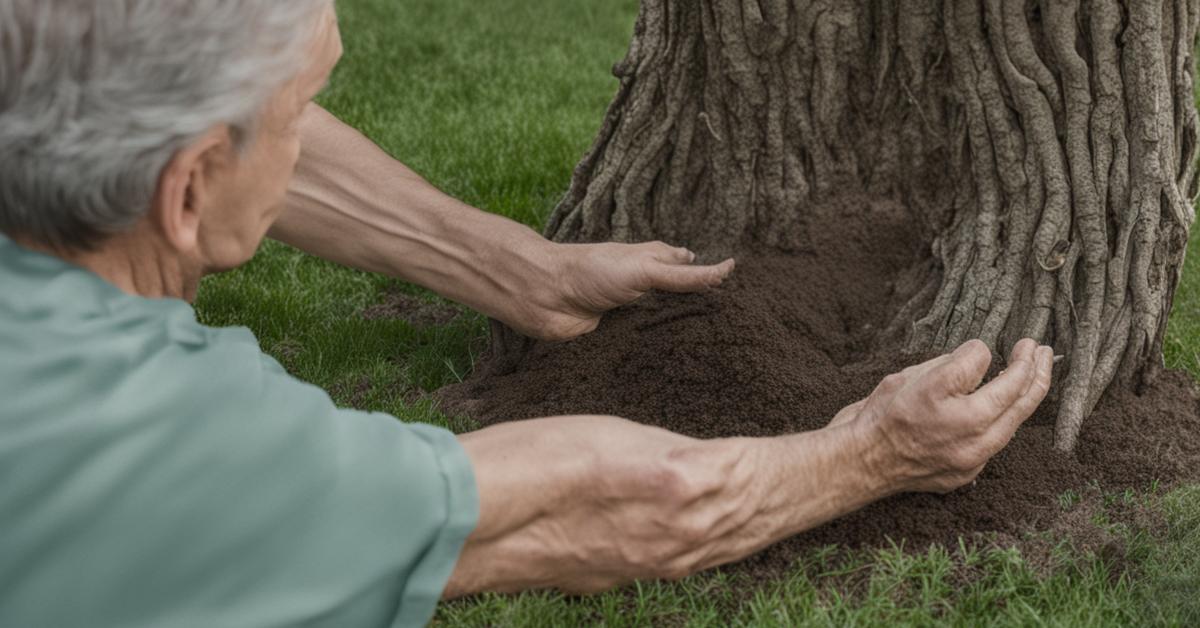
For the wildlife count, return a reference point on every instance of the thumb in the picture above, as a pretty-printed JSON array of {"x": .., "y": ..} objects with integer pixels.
[
  {"x": 964, "y": 370},
  {"x": 685, "y": 278}
]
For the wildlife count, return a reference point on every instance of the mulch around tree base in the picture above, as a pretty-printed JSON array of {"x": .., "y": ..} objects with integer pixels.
[{"x": 786, "y": 343}]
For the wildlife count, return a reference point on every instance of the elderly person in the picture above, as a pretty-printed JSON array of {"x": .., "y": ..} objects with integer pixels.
[{"x": 157, "y": 472}]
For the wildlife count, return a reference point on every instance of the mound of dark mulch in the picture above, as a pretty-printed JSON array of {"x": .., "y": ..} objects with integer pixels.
[{"x": 786, "y": 343}]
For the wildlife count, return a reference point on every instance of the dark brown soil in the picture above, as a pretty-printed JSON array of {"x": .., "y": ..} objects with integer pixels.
[
  {"x": 791, "y": 339},
  {"x": 415, "y": 311}
]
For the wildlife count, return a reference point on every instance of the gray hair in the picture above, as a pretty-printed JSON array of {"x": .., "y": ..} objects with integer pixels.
[{"x": 96, "y": 97}]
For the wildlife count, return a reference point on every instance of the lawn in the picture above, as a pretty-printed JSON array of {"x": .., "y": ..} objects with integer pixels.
[{"x": 495, "y": 102}]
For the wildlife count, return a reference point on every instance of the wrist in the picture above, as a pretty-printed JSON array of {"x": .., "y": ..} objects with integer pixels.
[
  {"x": 807, "y": 479},
  {"x": 529, "y": 269},
  {"x": 881, "y": 470},
  {"x": 497, "y": 267}
]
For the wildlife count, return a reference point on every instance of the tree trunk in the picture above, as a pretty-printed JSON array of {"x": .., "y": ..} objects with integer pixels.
[{"x": 1045, "y": 148}]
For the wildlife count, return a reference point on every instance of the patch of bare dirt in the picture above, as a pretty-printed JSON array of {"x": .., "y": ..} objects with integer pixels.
[{"x": 411, "y": 309}]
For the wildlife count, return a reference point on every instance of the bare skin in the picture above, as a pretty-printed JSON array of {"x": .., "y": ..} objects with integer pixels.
[
  {"x": 609, "y": 501},
  {"x": 213, "y": 203},
  {"x": 352, "y": 203},
  {"x": 576, "y": 503}
]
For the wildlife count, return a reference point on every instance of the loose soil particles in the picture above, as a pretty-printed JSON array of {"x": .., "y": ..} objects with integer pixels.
[
  {"x": 789, "y": 340},
  {"x": 415, "y": 311}
]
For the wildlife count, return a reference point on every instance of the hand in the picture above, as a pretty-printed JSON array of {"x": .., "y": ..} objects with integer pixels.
[
  {"x": 594, "y": 278},
  {"x": 934, "y": 430}
]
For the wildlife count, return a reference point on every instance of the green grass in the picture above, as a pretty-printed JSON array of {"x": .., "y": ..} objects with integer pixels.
[
  {"x": 1182, "y": 345},
  {"x": 495, "y": 103},
  {"x": 1155, "y": 583}
]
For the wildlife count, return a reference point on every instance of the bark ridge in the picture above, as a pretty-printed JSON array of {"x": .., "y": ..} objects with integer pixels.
[{"x": 1046, "y": 149}]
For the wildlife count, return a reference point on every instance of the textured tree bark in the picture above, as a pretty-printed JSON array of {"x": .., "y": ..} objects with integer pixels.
[{"x": 1046, "y": 148}]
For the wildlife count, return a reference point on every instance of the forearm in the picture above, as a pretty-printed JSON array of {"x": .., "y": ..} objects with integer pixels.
[
  {"x": 353, "y": 204},
  {"x": 805, "y": 480},
  {"x": 788, "y": 484},
  {"x": 586, "y": 503}
]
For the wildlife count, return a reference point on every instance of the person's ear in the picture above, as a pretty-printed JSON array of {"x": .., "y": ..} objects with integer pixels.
[{"x": 186, "y": 186}]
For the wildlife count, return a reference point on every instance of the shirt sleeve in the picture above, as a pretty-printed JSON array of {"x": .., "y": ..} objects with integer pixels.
[{"x": 223, "y": 492}]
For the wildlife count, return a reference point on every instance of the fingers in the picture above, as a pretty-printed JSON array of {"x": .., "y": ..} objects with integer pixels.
[
  {"x": 668, "y": 254},
  {"x": 1032, "y": 396},
  {"x": 962, "y": 372},
  {"x": 918, "y": 371},
  {"x": 998, "y": 395},
  {"x": 684, "y": 278},
  {"x": 671, "y": 270},
  {"x": 894, "y": 383}
]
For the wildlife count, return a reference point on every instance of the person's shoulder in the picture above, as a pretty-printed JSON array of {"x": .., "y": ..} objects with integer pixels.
[
  {"x": 50, "y": 301},
  {"x": 71, "y": 344}
]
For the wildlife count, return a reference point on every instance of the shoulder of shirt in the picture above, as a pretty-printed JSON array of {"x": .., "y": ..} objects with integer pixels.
[
  {"x": 54, "y": 305},
  {"x": 41, "y": 288}
]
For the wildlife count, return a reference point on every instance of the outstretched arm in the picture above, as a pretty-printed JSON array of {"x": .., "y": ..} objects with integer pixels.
[
  {"x": 353, "y": 204},
  {"x": 585, "y": 503}
]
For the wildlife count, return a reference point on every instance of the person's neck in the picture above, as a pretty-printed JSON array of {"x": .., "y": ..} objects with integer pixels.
[{"x": 135, "y": 263}]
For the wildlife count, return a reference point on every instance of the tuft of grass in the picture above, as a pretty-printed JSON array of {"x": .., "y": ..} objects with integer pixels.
[
  {"x": 495, "y": 103},
  {"x": 1069, "y": 499},
  {"x": 1166, "y": 589}
]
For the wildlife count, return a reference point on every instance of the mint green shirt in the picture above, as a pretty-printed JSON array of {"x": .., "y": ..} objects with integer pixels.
[{"x": 157, "y": 472}]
